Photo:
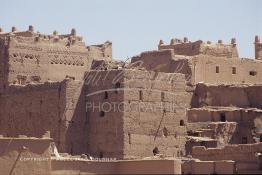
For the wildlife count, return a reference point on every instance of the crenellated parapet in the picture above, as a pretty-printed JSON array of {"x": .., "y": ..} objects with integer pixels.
[
  {"x": 29, "y": 56},
  {"x": 188, "y": 48},
  {"x": 258, "y": 48}
]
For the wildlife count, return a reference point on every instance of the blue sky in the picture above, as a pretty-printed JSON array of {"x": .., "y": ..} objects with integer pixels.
[{"x": 137, "y": 25}]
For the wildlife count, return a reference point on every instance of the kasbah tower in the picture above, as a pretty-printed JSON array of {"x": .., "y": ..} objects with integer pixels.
[{"x": 188, "y": 107}]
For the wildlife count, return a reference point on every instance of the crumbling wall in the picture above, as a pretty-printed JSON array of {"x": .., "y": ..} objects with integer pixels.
[
  {"x": 43, "y": 60},
  {"x": 35, "y": 57},
  {"x": 23, "y": 156},
  {"x": 154, "y": 116},
  {"x": 162, "y": 166},
  {"x": 258, "y": 48},
  {"x": 208, "y": 167},
  {"x": 159, "y": 61},
  {"x": 182, "y": 48},
  {"x": 3, "y": 63},
  {"x": 35, "y": 108},
  {"x": 143, "y": 111},
  {"x": 227, "y": 95},
  {"x": 104, "y": 117},
  {"x": 221, "y": 70},
  {"x": 204, "y": 67},
  {"x": 199, "y": 47},
  {"x": 101, "y": 52},
  {"x": 31, "y": 110},
  {"x": 238, "y": 153}
]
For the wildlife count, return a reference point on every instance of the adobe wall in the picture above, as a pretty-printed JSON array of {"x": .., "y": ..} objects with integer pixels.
[
  {"x": 31, "y": 110},
  {"x": 204, "y": 67},
  {"x": 3, "y": 63},
  {"x": 243, "y": 96},
  {"x": 188, "y": 49},
  {"x": 156, "y": 104},
  {"x": 163, "y": 166},
  {"x": 247, "y": 115},
  {"x": 154, "y": 60},
  {"x": 131, "y": 129},
  {"x": 258, "y": 48},
  {"x": 208, "y": 167},
  {"x": 246, "y": 70},
  {"x": 49, "y": 61},
  {"x": 104, "y": 121},
  {"x": 23, "y": 156},
  {"x": 199, "y": 47},
  {"x": 35, "y": 108},
  {"x": 35, "y": 57},
  {"x": 163, "y": 61},
  {"x": 238, "y": 153}
]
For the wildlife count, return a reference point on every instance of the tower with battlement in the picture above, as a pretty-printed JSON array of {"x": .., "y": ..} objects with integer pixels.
[
  {"x": 188, "y": 48},
  {"x": 258, "y": 48},
  {"x": 30, "y": 56}
]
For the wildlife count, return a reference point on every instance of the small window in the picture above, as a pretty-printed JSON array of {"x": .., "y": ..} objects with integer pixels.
[
  {"x": 234, "y": 70},
  {"x": 244, "y": 140},
  {"x": 21, "y": 79},
  {"x": 217, "y": 69},
  {"x": 162, "y": 96},
  {"x": 222, "y": 117},
  {"x": 129, "y": 138},
  {"x": 102, "y": 113},
  {"x": 252, "y": 73},
  {"x": 106, "y": 95},
  {"x": 182, "y": 123},
  {"x": 165, "y": 132},
  {"x": 117, "y": 86},
  {"x": 155, "y": 151},
  {"x": 101, "y": 155},
  {"x": 140, "y": 95},
  {"x": 35, "y": 78}
]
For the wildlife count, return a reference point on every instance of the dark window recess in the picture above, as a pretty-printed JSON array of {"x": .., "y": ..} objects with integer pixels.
[
  {"x": 21, "y": 79},
  {"x": 217, "y": 69},
  {"x": 252, "y": 73},
  {"x": 162, "y": 96},
  {"x": 35, "y": 78},
  {"x": 102, "y": 113},
  {"x": 155, "y": 151},
  {"x": 140, "y": 95},
  {"x": 106, "y": 95},
  {"x": 222, "y": 117},
  {"x": 182, "y": 123},
  {"x": 244, "y": 140},
  {"x": 234, "y": 70},
  {"x": 117, "y": 86},
  {"x": 165, "y": 132},
  {"x": 101, "y": 155},
  {"x": 129, "y": 138},
  {"x": 260, "y": 138}
]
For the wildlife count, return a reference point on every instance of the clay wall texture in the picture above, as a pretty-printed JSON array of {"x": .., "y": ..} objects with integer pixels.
[
  {"x": 146, "y": 129},
  {"x": 34, "y": 57},
  {"x": 242, "y": 96},
  {"x": 199, "y": 47},
  {"x": 135, "y": 130},
  {"x": 105, "y": 132},
  {"x": 56, "y": 107},
  {"x": 23, "y": 156},
  {"x": 208, "y": 167},
  {"x": 258, "y": 48},
  {"x": 238, "y": 153},
  {"x": 210, "y": 63},
  {"x": 117, "y": 167}
]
